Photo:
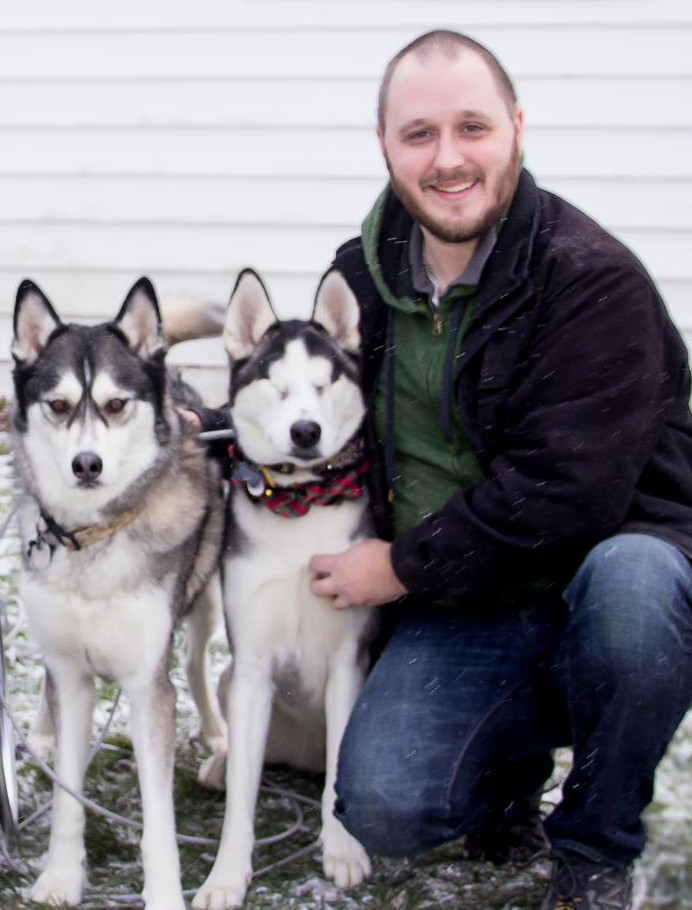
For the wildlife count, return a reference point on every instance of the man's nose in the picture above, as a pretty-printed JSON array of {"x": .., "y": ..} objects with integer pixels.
[{"x": 449, "y": 153}]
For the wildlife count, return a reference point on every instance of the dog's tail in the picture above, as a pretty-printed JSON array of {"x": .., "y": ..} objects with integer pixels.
[{"x": 185, "y": 318}]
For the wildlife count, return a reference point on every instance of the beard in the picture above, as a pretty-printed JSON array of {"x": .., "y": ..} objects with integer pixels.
[{"x": 452, "y": 231}]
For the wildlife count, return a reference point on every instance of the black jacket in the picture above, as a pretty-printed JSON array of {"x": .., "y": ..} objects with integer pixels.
[{"x": 573, "y": 389}]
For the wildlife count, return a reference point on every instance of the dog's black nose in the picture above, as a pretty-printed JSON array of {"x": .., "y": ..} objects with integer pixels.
[
  {"x": 87, "y": 466},
  {"x": 306, "y": 433}
]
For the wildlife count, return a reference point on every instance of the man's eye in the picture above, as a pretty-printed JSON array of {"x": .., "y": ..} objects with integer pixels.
[
  {"x": 472, "y": 128},
  {"x": 418, "y": 136},
  {"x": 115, "y": 405},
  {"x": 58, "y": 406}
]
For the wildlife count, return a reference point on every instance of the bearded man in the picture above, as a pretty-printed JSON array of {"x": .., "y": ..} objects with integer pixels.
[{"x": 532, "y": 448}]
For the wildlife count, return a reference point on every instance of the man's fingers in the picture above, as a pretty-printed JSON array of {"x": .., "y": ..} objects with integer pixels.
[
  {"x": 321, "y": 564},
  {"x": 323, "y": 586}
]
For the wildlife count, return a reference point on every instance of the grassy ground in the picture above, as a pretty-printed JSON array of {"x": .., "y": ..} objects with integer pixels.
[
  {"x": 440, "y": 879},
  {"x": 437, "y": 880}
]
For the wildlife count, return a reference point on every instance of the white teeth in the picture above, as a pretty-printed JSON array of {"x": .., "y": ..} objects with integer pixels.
[{"x": 455, "y": 189}]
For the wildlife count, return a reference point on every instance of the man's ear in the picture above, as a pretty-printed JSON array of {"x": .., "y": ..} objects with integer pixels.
[
  {"x": 379, "y": 132},
  {"x": 140, "y": 321},
  {"x": 519, "y": 123},
  {"x": 249, "y": 315},
  {"x": 336, "y": 310},
  {"x": 34, "y": 322}
]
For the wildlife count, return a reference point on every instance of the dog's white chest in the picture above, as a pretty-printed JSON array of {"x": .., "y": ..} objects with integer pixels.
[
  {"x": 270, "y": 607},
  {"x": 111, "y": 629}
]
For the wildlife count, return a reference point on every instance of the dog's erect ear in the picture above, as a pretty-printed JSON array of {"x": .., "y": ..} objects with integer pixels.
[
  {"x": 140, "y": 321},
  {"x": 249, "y": 315},
  {"x": 336, "y": 309},
  {"x": 35, "y": 320}
]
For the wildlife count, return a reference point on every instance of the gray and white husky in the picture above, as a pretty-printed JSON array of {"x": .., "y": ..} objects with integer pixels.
[
  {"x": 121, "y": 523},
  {"x": 298, "y": 663}
]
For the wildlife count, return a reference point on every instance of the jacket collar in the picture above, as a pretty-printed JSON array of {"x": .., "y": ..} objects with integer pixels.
[
  {"x": 385, "y": 235},
  {"x": 387, "y": 228}
]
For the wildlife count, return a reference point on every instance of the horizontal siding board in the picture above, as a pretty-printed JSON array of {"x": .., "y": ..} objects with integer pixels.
[
  {"x": 81, "y": 15},
  {"x": 638, "y": 203},
  {"x": 140, "y": 249},
  {"x": 328, "y": 153},
  {"x": 274, "y": 51},
  {"x": 96, "y": 296},
  {"x": 549, "y": 100}
]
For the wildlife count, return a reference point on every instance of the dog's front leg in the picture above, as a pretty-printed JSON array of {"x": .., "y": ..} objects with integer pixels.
[
  {"x": 152, "y": 705},
  {"x": 201, "y": 624},
  {"x": 42, "y": 732},
  {"x": 71, "y": 700},
  {"x": 344, "y": 859},
  {"x": 249, "y": 710}
]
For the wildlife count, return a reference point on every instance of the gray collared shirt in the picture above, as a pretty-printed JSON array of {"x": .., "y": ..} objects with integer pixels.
[{"x": 420, "y": 276}]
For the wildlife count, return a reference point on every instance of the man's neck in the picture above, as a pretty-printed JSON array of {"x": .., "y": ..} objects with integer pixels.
[{"x": 446, "y": 261}]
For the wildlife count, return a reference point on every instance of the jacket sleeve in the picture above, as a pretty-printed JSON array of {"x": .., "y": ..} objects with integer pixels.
[{"x": 582, "y": 417}]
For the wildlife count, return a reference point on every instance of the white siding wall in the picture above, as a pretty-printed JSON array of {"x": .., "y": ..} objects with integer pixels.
[{"x": 185, "y": 142}]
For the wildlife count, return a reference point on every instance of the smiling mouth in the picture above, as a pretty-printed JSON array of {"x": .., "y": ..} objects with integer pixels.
[{"x": 450, "y": 189}]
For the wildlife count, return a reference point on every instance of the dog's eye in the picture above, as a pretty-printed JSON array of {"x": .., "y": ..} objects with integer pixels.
[
  {"x": 58, "y": 406},
  {"x": 115, "y": 405}
]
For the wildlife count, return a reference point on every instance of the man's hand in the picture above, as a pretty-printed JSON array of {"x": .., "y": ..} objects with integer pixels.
[
  {"x": 191, "y": 419},
  {"x": 361, "y": 576}
]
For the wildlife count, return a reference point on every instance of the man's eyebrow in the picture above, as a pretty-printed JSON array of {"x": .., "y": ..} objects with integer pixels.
[{"x": 473, "y": 114}]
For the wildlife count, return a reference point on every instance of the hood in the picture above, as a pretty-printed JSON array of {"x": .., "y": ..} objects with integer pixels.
[{"x": 387, "y": 227}]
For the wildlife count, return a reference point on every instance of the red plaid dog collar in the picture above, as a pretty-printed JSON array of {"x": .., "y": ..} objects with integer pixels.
[{"x": 342, "y": 478}]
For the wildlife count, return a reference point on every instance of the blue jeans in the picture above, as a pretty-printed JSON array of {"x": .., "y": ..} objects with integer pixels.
[{"x": 458, "y": 717}]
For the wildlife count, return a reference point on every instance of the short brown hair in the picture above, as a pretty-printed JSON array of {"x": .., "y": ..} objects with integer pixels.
[{"x": 448, "y": 43}]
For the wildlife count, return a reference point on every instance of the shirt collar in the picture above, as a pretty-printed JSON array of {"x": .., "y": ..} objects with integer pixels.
[{"x": 471, "y": 274}]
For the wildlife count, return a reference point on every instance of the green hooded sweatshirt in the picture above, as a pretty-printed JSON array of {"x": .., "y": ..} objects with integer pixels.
[{"x": 433, "y": 457}]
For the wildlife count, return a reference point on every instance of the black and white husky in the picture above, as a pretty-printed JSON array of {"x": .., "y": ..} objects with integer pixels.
[
  {"x": 298, "y": 663},
  {"x": 121, "y": 524}
]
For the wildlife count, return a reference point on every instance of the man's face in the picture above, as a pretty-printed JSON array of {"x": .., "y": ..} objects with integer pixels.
[{"x": 451, "y": 145}]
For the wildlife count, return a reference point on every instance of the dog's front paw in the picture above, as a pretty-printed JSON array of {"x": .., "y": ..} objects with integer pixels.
[
  {"x": 212, "y": 771},
  {"x": 58, "y": 885},
  {"x": 222, "y": 891},
  {"x": 344, "y": 860}
]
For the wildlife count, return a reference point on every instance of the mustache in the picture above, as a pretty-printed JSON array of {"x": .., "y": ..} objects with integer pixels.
[{"x": 457, "y": 175}]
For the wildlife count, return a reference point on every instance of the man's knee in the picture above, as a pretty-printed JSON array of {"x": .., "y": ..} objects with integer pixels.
[
  {"x": 400, "y": 800},
  {"x": 400, "y": 818},
  {"x": 631, "y": 604}
]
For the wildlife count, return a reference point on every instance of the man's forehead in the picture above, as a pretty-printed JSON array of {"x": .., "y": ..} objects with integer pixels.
[{"x": 422, "y": 85}]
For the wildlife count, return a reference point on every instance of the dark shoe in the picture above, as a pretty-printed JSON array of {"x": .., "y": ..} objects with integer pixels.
[
  {"x": 581, "y": 884},
  {"x": 518, "y": 840}
]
